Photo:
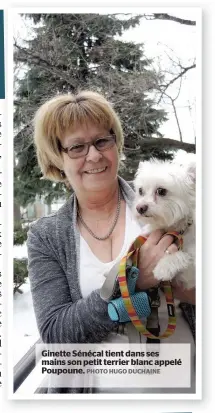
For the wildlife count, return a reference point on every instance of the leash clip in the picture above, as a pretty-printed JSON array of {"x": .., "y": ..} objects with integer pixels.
[
  {"x": 155, "y": 303},
  {"x": 154, "y": 297}
]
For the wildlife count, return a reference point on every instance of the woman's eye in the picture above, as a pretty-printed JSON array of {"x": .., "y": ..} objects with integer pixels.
[
  {"x": 161, "y": 191},
  {"x": 140, "y": 191},
  {"x": 102, "y": 142},
  {"x": 76, "y": 148}
]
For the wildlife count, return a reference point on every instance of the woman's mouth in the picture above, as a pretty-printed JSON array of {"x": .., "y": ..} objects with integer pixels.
[{"x": 96, "y": 171}]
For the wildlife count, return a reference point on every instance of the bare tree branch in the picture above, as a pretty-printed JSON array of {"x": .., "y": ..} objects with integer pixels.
[
  {"x": 176, "y": 117},
  {"x": 182, "y": 73},
  {"x": 164, "y": 143},
  {"x": 165, "y": 16},
  {"x": 174, "y": 109}
]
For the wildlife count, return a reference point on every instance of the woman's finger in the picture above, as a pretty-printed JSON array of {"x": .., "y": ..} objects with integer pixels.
[
  {"x": 165, "y": 242},
  {"x": 154, "y": 237},
  {"x": 171, "y": 249}
]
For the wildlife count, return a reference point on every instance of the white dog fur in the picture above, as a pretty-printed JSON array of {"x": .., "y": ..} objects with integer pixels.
[{"x": 165, "y": 198}]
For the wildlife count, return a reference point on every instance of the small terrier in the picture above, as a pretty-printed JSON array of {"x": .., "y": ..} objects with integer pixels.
[{"x": 165, "y": 199}]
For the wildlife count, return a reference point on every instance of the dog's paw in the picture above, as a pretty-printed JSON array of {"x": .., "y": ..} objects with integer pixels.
[{"x": 170, "y": 265}]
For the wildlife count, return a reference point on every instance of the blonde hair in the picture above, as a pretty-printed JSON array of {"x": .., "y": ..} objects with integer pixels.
[{"x": 65, "y": 113}]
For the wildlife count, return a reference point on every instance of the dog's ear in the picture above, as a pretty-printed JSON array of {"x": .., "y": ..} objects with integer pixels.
[
  {"x": 190, "y": 168},
  {"x": 140, "y": 166},
  {"x": 139, "y": 169},
  {"x": 187, "y": 161}
]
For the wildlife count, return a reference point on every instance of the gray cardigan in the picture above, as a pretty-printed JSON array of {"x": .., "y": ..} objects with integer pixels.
[{"x": 62, "y": 314}]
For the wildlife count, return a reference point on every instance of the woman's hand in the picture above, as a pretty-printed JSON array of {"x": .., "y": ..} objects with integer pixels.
[{"x": 149, "y": 255}]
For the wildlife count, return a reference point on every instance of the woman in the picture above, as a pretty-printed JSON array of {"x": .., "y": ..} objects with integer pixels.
[{"x": 79, "y": 140}]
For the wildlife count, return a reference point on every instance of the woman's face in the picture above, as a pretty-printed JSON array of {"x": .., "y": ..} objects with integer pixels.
[{"x": 95, "y": 171}]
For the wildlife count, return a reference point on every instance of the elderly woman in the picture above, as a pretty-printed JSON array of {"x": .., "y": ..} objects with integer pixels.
[{"x": 79, "y": 141}]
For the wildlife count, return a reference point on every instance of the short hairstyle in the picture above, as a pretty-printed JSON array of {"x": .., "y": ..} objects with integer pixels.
[{"x": 65, "y": 113}]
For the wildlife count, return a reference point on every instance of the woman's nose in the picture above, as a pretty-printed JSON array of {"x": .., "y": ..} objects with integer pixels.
[{"x": 93, "y": 155}]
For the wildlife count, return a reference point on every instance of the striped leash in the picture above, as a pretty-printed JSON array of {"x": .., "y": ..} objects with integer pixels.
[{"x": 133, "y": 255}]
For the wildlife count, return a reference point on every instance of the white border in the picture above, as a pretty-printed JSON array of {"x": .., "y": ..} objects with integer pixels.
[
  {"x": 9, "y": 194},
  {"x": 2, "y": 231},
  {"x": 199, "y": 273},
  {"x": 105, "y": 9},
  {"x": 9, "y": 67}
]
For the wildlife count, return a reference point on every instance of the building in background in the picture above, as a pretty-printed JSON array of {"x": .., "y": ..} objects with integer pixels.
[{"x": 40, "y": 209}]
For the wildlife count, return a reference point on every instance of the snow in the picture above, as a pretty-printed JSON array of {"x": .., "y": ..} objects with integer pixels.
[
  {"x": 25, "y": 332},
  {"x": 20, "y": 251}
]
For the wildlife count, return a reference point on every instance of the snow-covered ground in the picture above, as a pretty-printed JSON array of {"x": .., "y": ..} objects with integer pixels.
[{"x": 25, "y": 332}]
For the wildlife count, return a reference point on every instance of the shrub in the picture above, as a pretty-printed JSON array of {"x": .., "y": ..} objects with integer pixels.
[
  {"x": 20, "y": 234},
  {"x": 20, "y": 273}
]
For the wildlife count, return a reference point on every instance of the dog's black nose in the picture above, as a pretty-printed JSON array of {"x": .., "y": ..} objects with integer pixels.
[{"x": 142, "y": 209}]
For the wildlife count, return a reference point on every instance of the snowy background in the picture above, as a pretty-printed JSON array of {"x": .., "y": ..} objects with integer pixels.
[{"x": 25, "y": 332}]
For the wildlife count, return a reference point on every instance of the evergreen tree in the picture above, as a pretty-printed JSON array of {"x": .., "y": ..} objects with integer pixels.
[{"x": 72, "y": 52}]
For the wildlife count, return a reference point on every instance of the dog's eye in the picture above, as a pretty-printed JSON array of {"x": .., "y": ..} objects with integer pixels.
[
  {"x": 140, "y": 191},
  {"x": 161, "y": 191}
]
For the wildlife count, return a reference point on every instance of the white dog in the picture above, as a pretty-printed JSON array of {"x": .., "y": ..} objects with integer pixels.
[{"x": 165, "y": 199}]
